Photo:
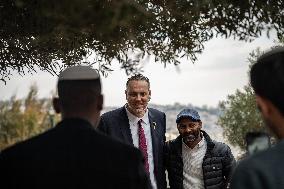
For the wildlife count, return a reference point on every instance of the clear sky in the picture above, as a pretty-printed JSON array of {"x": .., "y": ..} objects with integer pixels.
[{"x": 220, "y": 70}]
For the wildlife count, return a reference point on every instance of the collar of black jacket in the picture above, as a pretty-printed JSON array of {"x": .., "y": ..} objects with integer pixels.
[
  {"x": 75, "y": 123},
  {"x": 210, "y": 143}
]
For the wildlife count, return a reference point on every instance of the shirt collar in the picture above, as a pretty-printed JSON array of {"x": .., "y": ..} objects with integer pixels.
[{"x": 134, "y": 119}]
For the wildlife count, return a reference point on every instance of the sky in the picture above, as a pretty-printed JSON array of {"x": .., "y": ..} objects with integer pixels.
[{"x": 219, "y": 71}]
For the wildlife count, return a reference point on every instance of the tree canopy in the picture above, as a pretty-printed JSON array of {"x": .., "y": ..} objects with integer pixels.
[
  {"x": 48, "y": 34},
  {"x": 240, "y": 116}
]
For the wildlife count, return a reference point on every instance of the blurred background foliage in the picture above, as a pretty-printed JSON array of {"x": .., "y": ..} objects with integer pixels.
[
  {"x": 23, "y": 118},
  {"x": 240, "y": 114}
]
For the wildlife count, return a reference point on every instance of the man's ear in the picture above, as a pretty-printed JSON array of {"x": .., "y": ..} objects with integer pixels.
[
  {"x": 56, "y": 105},
  {"x": 100, "y": 102},
  {"x": 125, "y": 92},
  {"x": 264, "y": 105},
  {"x": 177, "y": 126},
  {"x": 200, "y": 124},
  {"x": 149, "y": 95}
]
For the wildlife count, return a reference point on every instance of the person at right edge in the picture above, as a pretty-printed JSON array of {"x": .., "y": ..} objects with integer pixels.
[
  {"x": 195, "y": 161},
  {"x": 265, "y": 169}
]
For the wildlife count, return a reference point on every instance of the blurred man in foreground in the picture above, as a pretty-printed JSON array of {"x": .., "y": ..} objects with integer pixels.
[
  {"x": 73, "y": 154},
  {"x": 264, "y": 170}
]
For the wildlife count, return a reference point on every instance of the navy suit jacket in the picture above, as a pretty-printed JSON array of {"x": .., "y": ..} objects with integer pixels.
[
  {"x": 116, "y": 124},
  {"x": 72, "y": 155}
]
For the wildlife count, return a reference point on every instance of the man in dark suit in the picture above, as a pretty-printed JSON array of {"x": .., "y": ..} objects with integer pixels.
[
  {"x": 70, "y": 155},
  {"x": 264, "y": 169},
  {"x": 137, "y": 125}
]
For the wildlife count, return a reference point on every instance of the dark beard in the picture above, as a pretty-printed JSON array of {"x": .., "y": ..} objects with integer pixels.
[{"x": 190, "y": 137}]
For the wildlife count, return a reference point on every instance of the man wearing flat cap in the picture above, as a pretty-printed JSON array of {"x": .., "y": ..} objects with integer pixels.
[
  {"x": 193, "y": 159},
  {"x": 73, "y": 154}
]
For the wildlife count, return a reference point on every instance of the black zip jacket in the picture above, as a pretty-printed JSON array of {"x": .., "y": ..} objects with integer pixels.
[{"x": 218, "y": 164}]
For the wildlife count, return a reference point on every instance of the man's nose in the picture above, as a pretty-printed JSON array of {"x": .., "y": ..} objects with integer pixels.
[
  {"x": 188, "y": 129},
  {"x": 138, "y": 97}
]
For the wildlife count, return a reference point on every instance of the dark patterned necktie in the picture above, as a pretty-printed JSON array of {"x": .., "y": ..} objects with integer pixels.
[{"x": 143, "y": 145}]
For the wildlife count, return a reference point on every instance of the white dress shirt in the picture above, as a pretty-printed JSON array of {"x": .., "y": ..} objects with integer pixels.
[
  {"x": 192, "y": 165},
  {"x": 133, "y": 122}
]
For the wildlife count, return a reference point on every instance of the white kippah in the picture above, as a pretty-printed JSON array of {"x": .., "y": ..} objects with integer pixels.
[{"x": 78, "y": 73}]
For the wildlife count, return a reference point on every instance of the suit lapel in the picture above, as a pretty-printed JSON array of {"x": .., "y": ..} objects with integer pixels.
[
  {"x": 178, "y": 146},
  {"x": 125, "y": 127},
  {"x": 155, "y": 137}
]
